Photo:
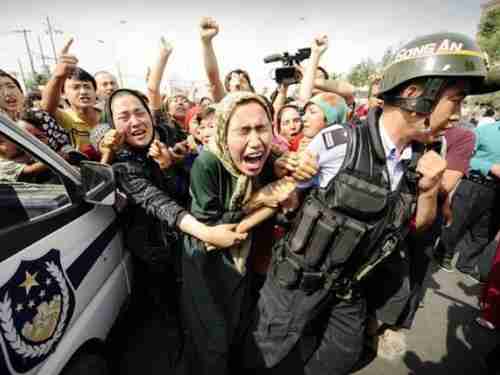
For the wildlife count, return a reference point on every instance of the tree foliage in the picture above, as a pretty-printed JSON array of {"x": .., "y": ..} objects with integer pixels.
[
  {"x": 360, "y": 73},
  {"x": 488, "y": 35},
  {"x": 33, "y": 82},
  {"x": 387, "y": 57}
]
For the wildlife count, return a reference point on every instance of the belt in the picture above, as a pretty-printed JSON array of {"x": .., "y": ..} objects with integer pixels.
[{"x": 483, "y": 180}]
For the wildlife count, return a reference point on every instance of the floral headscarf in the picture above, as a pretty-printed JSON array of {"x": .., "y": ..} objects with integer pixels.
[{"x": 219, "y": 147}]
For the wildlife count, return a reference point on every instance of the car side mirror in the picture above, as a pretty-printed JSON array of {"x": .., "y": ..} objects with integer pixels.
[{"x": 98, "y": 183}]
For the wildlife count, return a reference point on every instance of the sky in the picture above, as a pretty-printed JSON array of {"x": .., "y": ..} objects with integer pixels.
[{"x": 109, "y": 33}]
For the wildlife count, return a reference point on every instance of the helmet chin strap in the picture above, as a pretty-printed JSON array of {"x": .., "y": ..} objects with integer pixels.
[{"x": 423, "y": 104}]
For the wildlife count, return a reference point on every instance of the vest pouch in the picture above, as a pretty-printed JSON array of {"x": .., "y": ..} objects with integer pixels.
[
  {"x": 357, "y": 197},
  {"x": 287, "y": 273},
  {"x": 304, "y": 226},
  {"x": 321, "y": 239},
  {"x": 403, "y": 209},
  {"x": 348, "y": 237}
]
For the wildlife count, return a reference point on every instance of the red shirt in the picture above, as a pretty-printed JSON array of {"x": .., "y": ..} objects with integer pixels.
[
  {"x": 295, "y": 142},
  {"x": 460, "y": 144}
]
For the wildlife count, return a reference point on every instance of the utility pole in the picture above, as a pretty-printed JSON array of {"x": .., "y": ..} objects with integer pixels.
[
  {"x": 22, "y": 74},
  {"x": 25, "y": 34},
  {"x": 51, "y": 31},
  {"x": 44, "y": 62}
]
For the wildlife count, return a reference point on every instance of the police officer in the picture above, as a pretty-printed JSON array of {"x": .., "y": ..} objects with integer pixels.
[{"x": 374, "y": 180}]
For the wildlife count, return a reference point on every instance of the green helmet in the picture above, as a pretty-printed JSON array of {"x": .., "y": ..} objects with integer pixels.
[{"x": 439, "y": 57}]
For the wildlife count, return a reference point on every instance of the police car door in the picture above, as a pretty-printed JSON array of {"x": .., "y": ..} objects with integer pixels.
[{"x": 62, "y": 280}]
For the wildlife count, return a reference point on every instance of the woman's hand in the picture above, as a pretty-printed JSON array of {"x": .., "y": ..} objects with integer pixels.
[
  {"x": 271, "y": 195},
  {"x": 307, "y": 166},
  {"x": 286, "y": 164},
  {"x": 222, "y": 236},
  {"x": 112, "y": 141},
  {"x": 179, "y": 151},
  {"x": 160, "y": 154}
]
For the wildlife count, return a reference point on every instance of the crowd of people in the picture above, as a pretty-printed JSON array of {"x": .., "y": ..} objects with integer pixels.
[{"x": 293, "y": 232}]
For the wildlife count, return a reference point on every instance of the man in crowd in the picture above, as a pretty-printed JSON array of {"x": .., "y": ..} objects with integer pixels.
[
  {"x": 474, "y": 204},
  {"x": 106, "y": 84},
  {"x": 79, "y": 88}
]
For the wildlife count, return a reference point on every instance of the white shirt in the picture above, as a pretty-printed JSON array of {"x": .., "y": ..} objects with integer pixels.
[
  {"x": 394, "y": 160},
  {"x": 485, "y": 121},
  {"x": 331, "y": 156}
]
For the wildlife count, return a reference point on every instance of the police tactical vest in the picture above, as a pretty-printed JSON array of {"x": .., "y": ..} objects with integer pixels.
[{"x": 344, "y": 230}]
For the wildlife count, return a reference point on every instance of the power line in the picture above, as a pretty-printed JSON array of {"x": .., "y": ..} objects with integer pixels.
[
  {"x": 51, "y": 32},
  {"x": 25, "y": 34}
]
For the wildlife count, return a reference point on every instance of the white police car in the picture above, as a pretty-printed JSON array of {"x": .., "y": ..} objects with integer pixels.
[{"x": 64, "y": 273}]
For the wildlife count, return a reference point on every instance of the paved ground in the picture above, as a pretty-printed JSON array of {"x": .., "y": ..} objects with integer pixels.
[{"x": 444, "y": 339}]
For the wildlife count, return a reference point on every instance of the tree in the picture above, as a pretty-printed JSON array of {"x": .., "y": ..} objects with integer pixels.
[
  {"x": 360, "y": 73},
  {"x": 388, "y": 56},
  {"x": 488, "y": 36},
  {"x": 32, "y": 83}
]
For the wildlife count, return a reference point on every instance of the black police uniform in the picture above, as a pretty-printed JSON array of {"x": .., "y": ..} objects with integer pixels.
[{"x": 312, "y": 309}]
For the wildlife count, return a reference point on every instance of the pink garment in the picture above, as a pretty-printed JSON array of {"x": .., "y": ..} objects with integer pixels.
[
  {"x": 281, "y": 142},
  {"x": 490, "y": 298}
]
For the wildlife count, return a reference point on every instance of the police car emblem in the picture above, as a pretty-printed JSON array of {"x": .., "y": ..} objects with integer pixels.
[{"x": 36, "y": 305}]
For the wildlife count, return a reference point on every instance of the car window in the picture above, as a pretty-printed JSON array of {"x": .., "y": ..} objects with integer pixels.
[{"x": 29, "y": 189}]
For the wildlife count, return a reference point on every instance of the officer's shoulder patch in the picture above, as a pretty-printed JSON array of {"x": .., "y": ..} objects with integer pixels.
[{"x": 334, "y": 137}]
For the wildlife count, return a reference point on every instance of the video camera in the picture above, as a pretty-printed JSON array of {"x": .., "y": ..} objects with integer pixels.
[{"x": 288, "y": 74}]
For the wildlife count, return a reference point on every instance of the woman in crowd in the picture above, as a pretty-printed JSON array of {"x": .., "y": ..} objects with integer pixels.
[
  {"x": 11, "y": 96},
  {"x": 226, "y": 184},
  {"x": 145, "y": 171}
]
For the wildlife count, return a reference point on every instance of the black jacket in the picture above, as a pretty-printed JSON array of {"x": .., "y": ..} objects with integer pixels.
[{"x": 157, "y": 200}]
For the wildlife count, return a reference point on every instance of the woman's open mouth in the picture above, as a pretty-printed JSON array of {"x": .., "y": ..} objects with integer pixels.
[
  {"x": 138, "y": 133},
  {"x": 254, "y": 161},
  {"x": 11, "y": 102}
]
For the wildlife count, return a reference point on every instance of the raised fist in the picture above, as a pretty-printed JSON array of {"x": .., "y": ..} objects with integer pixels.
[
  {"x": 208, "y": 29},
  {"x": 431, "y": 166},
  {"x": 320, "y": 44}
]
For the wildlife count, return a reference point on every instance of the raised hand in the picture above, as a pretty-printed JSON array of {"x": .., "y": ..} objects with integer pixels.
[
  {"x": 320, "y": 44},
  {"x": 166, "y": 47},
  {"x": 209, "y": 28},
  {"x": 160, "y": 154},
  {"x": 66, "y": 62},
  {"x": 112, "y": 141}
]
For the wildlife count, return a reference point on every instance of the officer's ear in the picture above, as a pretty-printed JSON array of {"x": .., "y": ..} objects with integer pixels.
[{"x": 413, "y": 90}]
